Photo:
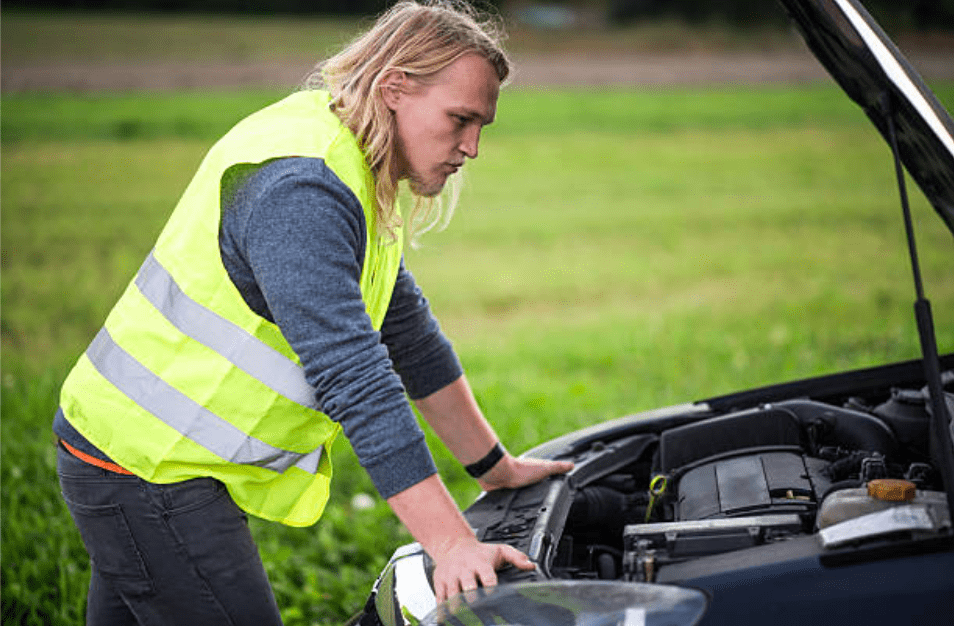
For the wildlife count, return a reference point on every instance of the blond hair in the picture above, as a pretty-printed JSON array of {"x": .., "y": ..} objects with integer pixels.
[{"x": 419, "y": 39}]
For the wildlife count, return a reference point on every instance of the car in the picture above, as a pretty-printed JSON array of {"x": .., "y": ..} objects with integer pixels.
[{"x": 820, "y": 501}]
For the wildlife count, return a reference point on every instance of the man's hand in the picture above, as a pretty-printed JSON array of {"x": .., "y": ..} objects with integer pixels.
[
  {"x": 461, "y": 561},
  {"x": 511, "y": 472},
  {"x": 453, "y": 413},
  {"x": 465, "y": 564}
]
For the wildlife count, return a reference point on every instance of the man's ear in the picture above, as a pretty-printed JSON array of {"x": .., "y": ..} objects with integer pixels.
[{"x": 392, "y": 87}]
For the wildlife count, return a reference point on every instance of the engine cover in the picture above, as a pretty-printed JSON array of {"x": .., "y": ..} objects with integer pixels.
[{"x": 754, "y": 484}]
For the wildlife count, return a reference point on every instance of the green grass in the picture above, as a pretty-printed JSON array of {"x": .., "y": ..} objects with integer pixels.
[{"x": 613, "y": 251}]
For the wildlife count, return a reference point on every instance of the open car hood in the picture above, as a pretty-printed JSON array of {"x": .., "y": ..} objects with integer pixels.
[{"x": 871, "y": 70}]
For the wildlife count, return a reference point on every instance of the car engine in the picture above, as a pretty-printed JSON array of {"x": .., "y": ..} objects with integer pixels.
[{"x": 749, "y": 478}]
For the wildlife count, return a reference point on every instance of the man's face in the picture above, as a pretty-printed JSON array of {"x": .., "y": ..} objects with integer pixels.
[{"x": 439, "y": 123}]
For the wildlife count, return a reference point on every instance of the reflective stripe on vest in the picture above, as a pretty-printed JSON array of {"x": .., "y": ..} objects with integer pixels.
[
  {"x": 273, "y": 369},
  {"x": 186, "y": 416}
]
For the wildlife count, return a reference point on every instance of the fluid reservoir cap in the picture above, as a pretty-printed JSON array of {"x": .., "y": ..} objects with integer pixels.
[{"x": 892, "y": 490}]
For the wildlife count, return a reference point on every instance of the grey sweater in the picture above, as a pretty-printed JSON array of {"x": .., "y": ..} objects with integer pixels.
[{"x": 293, "y": 240}]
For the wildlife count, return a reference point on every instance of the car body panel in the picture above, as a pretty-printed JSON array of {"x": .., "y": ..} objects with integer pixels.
[{"x": 905, "y": 589}]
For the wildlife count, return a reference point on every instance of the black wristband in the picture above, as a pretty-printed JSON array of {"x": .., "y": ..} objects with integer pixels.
[{"x": 481, "y": 467}]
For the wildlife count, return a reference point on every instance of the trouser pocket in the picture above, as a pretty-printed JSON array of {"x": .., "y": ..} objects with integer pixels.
[
  {"x": 95, "y": 499},
  {"x": 112, "y": 549}
]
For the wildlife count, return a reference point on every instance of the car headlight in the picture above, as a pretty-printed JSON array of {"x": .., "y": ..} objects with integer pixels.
[{"x": 572, "y": 603}]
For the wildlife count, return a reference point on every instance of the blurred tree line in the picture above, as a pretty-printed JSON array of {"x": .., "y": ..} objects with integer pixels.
[
  {"x": 917, "y": 14},
  {"x": 259, "y": 7}
]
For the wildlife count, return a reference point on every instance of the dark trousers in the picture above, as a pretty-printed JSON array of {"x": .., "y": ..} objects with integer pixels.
[{"x": 165, "y": 554}]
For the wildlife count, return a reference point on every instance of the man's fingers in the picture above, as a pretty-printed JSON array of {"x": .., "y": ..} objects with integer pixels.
[
  {"x": 488, "y": 578},
  {"x": 538, "y": 470},
  {"x": 515, "y": 557},
  {"x": 440, "y": 592},
  {"x": 556, "y": 467},
  {"x": 466, "y": 574}
]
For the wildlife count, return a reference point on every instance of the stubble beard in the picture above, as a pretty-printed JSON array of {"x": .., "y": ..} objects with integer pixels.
[{"x": 427, "y": 189}]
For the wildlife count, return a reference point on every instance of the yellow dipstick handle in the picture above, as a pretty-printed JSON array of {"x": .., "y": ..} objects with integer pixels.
[{"x": 657, "y": 487}]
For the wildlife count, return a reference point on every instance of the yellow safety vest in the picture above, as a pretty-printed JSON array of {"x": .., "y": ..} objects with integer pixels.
[{"x": 185, "y": 380}]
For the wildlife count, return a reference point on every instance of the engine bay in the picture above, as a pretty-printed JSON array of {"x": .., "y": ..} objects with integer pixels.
[{"x": 748, "y": 478}]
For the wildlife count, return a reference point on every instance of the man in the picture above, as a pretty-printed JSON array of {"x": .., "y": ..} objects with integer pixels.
[{"x": 273, "y": 312}]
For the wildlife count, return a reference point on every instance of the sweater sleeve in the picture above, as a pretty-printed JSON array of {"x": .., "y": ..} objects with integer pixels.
[
  {"x": 292, "y": 240},
  {"x": 422, "y": 355}
]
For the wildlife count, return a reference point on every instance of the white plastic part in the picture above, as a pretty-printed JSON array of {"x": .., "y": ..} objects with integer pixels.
[{"x": 893, "y": 520}]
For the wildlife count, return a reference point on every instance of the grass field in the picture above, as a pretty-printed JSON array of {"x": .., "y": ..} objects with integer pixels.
[{"x": 613, "y": 251}]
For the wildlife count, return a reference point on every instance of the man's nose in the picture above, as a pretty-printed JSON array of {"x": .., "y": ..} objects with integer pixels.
[{"x": 468, "y": 144}]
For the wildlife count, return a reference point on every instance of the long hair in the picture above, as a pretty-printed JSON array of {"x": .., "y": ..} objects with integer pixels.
[{"x": 419, "y": 39}]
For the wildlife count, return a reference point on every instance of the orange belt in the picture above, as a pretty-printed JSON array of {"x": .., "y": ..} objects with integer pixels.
[{"x": 92, "y": 460}]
